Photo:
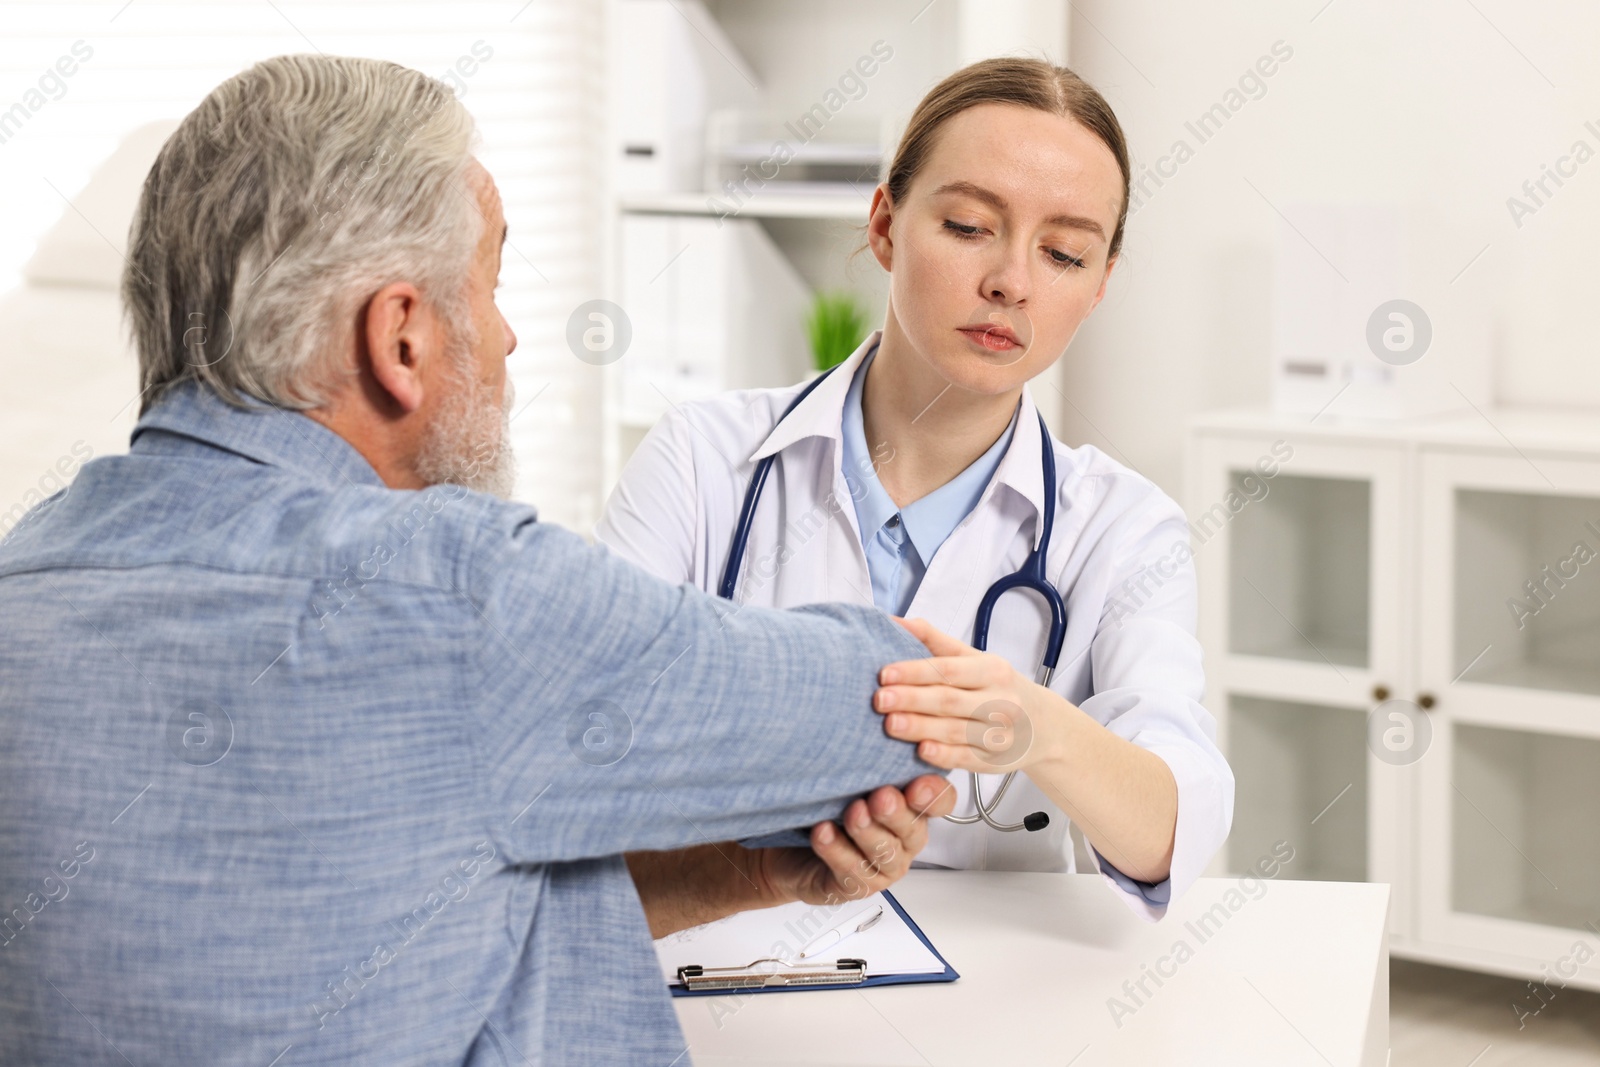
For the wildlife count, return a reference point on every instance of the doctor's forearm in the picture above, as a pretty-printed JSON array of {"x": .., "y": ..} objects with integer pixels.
[{"x": 1123, "y": 796}]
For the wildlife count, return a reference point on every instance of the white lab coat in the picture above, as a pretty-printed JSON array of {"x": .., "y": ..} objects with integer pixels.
[{"x": 1119, "y": 556}]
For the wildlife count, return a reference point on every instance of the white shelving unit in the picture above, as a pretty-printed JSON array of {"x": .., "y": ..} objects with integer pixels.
[
  {"x": 842, "y": 208},
  {"x": 779, "y": 58},
  {"x": 1382, "y": 564}
]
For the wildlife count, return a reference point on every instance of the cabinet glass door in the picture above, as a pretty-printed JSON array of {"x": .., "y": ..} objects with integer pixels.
[
  {"x": 1527, "y": 590},
  {"x": 1509, "y": 654},
  {"x": 1297, "y": 547},
  {"x": 1513, "y": 855},
  {"x": 1299, "y": 563},
  {"x": 1300, "y": 777},
  {"x": 1302, "y": 599}
]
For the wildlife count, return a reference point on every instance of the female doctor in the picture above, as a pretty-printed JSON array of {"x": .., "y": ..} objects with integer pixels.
[{"x": 913, "y": 477}]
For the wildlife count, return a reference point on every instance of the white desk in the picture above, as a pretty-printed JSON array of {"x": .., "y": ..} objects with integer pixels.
[{"x": 1299, "y": 975}]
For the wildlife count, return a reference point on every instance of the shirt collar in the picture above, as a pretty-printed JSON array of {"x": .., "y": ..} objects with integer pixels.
[
  {"x": 1021, "y": 469},
  {"x": 818, "y": 415},
  {"x": 928, "y": 521},
  {"x": 258, "y": 431},
  {"x": 873, "y": 504}
]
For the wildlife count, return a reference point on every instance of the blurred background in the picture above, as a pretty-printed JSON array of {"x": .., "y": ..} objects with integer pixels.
[{"x": 1361, "y": 254}]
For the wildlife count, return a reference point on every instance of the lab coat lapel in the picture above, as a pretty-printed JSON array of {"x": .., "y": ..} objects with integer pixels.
[{"x": 817, "y": 524}]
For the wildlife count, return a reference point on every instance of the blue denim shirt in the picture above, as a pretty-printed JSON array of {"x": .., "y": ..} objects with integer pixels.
[{"x": 301, "y": 769}]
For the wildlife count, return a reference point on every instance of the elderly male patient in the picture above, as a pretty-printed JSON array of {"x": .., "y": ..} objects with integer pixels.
[{"x": 315, "y": 749}]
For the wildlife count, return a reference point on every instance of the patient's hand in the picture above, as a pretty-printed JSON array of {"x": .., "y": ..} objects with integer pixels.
[
  {"x": 685, "y": 887},
  {"x": 882, "y": 834}
]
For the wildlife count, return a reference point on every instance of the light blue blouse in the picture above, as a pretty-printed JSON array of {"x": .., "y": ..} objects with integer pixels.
[{"x": 900, "y": 542}]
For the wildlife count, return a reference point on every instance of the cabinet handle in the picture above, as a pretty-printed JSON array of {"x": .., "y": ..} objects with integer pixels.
[
  {"x": 1425, "y": 701},
  {"x": 1380, "y": 692}
]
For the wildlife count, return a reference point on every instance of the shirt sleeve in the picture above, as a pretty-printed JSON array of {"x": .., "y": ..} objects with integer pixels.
[
  {"x": 1149, "y": 681},
  {"x": 617, "y": 712},
  {"x": 649, "y": 517}
]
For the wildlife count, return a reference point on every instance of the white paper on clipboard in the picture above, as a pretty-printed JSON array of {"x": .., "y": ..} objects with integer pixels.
[{"x": 890, "y": 947}]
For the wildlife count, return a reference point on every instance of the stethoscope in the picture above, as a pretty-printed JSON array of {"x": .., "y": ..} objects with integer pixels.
[{"x": 1031, "y": 576}]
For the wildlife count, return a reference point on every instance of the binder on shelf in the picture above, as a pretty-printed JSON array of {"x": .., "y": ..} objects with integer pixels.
[{"x": 791, "y": 947}]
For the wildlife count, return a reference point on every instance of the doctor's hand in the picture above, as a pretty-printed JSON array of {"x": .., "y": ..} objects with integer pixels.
[
  {"x": 881, "y": 835},
  {"x": 965, "y": 709}
]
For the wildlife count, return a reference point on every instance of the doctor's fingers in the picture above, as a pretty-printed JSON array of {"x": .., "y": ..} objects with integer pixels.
[
  {"x": 942, "y": 729},
  {"x": 989, "y": 741},
  {"x": 962, "y": 756},
  {"x": 972, "y": 671},
  {"x": 946, "y": 700},
  {"x": 938, "y": 642}
]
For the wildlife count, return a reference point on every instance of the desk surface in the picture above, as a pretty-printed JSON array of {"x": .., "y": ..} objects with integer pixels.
[{"x": 1298, "y": 973}]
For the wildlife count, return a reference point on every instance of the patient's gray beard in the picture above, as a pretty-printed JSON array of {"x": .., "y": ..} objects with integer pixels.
[{"x": 469, "y": 442}]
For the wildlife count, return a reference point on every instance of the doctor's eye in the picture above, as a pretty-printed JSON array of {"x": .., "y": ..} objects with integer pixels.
[
  {"x": 961, "y": 230},
  {"x": 1064, "y": 260}
]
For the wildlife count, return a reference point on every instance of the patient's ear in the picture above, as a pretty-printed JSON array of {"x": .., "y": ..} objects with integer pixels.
[{"x": 400, "y": 339}]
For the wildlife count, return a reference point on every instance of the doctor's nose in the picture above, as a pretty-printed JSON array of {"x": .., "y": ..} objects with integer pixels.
[{"x": 1007, "y": 280}]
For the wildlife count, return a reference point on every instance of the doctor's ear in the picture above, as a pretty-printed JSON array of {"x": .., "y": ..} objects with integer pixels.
[
  {"x": 399, "y": 337},
  {"x": 879, "y": 220},
  {"x": 1100, "y": 294}
]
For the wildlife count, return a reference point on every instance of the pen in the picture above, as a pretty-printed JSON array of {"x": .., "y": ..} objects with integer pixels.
[{"x": 853, "y": 925}]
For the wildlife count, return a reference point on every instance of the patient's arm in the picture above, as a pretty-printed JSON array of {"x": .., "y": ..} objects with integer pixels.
[{"x": 882, "y": 834}]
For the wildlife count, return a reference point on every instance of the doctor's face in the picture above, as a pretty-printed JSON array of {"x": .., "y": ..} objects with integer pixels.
[{"x": 998, "y": 252}]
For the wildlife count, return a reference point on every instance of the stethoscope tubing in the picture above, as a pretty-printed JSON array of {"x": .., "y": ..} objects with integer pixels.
[{"x": 1032, "y": 576}]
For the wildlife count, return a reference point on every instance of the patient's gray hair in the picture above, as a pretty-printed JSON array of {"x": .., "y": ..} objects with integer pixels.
[{"x": 295, "y": 191}]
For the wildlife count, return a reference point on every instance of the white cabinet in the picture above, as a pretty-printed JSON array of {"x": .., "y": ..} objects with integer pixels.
[{"x": 1402, "y": 633}]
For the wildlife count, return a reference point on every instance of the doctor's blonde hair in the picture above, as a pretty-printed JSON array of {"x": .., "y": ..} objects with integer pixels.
[{"x": 1020, "y": 81}]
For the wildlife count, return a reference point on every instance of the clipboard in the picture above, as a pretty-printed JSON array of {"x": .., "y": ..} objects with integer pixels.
[{"x": 770, "y": 976}]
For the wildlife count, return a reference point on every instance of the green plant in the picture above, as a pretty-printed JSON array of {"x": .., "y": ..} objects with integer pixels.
[{"x": 835, "y": 325}]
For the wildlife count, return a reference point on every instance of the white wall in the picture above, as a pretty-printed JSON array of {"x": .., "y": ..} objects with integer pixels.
[{"x": 1445, "y": 105}]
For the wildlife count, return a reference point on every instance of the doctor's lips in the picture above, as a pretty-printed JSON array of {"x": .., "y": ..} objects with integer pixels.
[{"x": 993, "y": 336}]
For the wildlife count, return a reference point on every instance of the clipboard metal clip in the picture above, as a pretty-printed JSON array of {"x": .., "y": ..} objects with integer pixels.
[{"x": 780, "y": 974}]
